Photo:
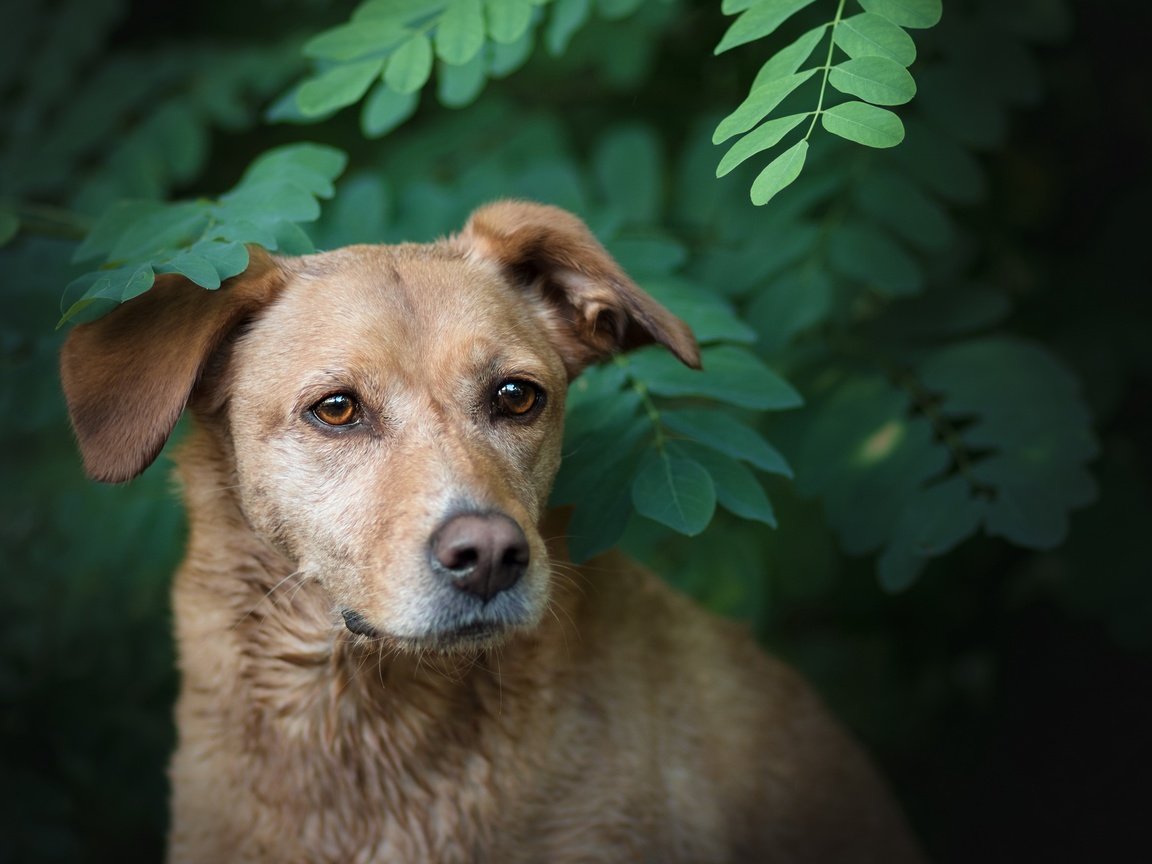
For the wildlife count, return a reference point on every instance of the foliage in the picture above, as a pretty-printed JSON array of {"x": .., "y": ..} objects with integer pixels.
[{"x": 889, "y": 381}]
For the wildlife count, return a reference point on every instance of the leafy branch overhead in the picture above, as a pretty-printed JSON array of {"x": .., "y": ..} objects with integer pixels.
[
  {"x": 878, "y": 51},
  {"x": 203, "y": 240}
]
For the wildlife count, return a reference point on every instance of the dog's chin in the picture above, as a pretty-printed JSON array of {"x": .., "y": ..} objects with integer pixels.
[{"x": 468, "y": 637}]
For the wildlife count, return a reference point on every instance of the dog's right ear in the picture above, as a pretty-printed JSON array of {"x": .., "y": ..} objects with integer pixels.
[{"x": 128, "y": 376}]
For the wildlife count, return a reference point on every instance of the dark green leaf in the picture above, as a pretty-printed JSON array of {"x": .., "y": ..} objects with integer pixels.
[
  {"x": 674, "y": 491},
  {"x": 713, "y": 319},
  {"x": 175, "y": 225},
  {"x": 460, "y": 85},
  {"x": 719, "y": 430},
  {"x": 933, "y": 521},
  {"x": 898, "y": 204},
  {"x": 731, "y": 375},
  {"x": 568, "y": 16},
  {"x": 795, "y": 300},
  {"x": 9, "y": 225},
  {"x": 628, "y": 164},
  {"x": 861, "y": 252},
  {"x": 737, "y": 489},
  {"x": 196, "y": 267},
  {"x": 112, "y": 225}
]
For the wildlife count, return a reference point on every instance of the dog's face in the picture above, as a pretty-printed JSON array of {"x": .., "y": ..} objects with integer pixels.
[
  {"x": 390, "y": 397},
  {"x": 394, "y": 414}
]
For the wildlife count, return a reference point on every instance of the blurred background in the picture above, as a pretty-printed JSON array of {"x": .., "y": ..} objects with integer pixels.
[{"x": 1007, "y": 691}]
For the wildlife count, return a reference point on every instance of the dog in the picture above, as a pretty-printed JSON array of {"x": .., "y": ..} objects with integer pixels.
[{"x": 385, "y": 655}]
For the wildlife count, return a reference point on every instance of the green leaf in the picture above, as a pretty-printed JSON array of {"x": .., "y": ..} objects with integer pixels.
[
  {"x": 459, "y": 86},
  {"x": 628, "y": 164},
  {"x": 312, "y": 167},
  {"x": 460, "y": 33},
  {"x": 385, "y": 109},
  {"x": 111, "y": 225},
  {"x": 933, "y": 522},
  {"x": 860, "y": 251},
  {"x": 9, "y": 226},
  {"x": 732, "y": 375},
  {"x": 162, "y": 230},
  {"x": 615, "y": 10},
  {"x": 780, "y": 172},
  {"x": 759, "y": 21},
  {"x": 863, "y": 123},
  {"x": 196, "y": 267},
  {"x": 568, "y": 16},
  {"x": 721, "y": 431},
  {"x": 410, "y": 65},
  {"x": 895, "y": 202},
  {"x": 759, "y": 104},
  {"x": 737, "y": 489},
  {"x": 787, "y": 60},
  {"x": 354, "y": 40},
  {"x": 875, "y": 79},
  {"x": 713, "y": 318},
  {"x": 268, "y": 201},
  {"x": 917, "y": 14},
  {"x": 227, "y": 258},
  {"x": 598, "y": 522},
  {"x": 337, "y": 87},
  {"x": 763, "y": 137},
  {"x": 508, "y": 20},
  {"x": 869, "y": 35},
  {"x": 795, "y": 300},
  {"x": 504, "y": 59},
  {"x": 674, "y": 491}
]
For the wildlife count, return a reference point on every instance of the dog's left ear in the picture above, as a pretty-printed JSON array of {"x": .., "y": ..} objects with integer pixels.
[{"x": 594, "y": 308}]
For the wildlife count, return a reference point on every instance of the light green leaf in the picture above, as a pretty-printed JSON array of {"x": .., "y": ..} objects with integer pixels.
[
  {"x": 568, "y": 16},
  {"x": 917, "y": 14},
  {"x": 458, "y": 86},
  {"x": 504, "y": 59},
  {"x": 312, "y": 167},
  {"x": 723, "y": 432},
  {"x": 763, "y": 137},
  {"x": 674, "y": 491},
  {"x": 615, "y": 10},
  {"x": 385, "y": 109},
  {"x": 508, "y": 20},
  {"x": 733, "y": 375},
  {"x": 875, "y": 79},
  {"x": 759, "y": 21},
  {"x": 780, "y": 172},
  {"x": 460, "y": 33},
  {"x": 410, "y": 65},
  {"x": 337, "y": 87},
  {"x": 355, "y": 40},
  {"x": 227, "y": 258},
  {"x": 869, "y": 35},
  {"x": 863, "y": 123},
  {"x": 787, "y": 60},
  {"x": 760, "y": 102}
]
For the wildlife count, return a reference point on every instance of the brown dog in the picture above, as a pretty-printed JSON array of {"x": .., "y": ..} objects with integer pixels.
[{"x": 385, "y": 655}]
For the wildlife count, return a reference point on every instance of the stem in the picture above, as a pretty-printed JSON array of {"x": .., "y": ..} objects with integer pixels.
[
  {"x": 827, "y": 67},
  {"x": 51, "y": 221},
  {"x": 646, "y": 401}
]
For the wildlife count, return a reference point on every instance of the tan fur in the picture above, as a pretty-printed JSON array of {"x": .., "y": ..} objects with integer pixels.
[{"x": 606, "y": 719}]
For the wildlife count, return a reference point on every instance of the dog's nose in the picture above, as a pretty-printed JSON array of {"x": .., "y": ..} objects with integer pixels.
[{"x": 481, "y": 553}]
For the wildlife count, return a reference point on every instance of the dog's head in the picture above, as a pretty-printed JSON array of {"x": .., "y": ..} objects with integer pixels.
[{"x": 393, "y": 414}]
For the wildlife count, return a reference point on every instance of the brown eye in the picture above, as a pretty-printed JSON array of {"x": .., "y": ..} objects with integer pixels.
[
  {"x": 339, "y": 409},
  {"x": 516, "y": 398}
]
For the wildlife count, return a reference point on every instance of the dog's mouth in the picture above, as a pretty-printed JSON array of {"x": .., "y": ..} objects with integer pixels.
[{"x": 470, "y": 634}]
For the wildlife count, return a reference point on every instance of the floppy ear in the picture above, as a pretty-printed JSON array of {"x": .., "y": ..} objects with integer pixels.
[
  {"x": 127, "y": 376},
  {"x": 595, "y": 309}
]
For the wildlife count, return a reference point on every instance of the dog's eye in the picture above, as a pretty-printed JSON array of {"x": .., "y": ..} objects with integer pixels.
[
  {"x": 339, "y": 409},
  {"x": 517, "y": 399}
]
